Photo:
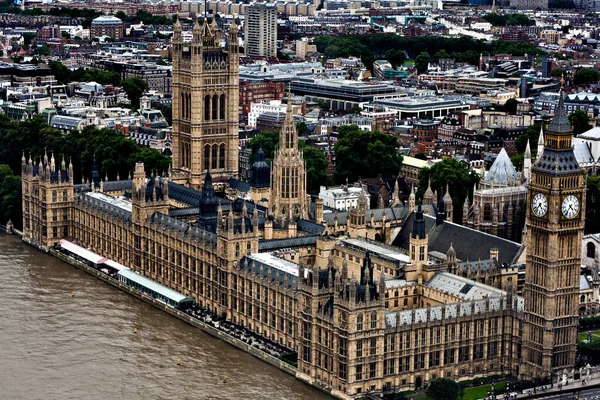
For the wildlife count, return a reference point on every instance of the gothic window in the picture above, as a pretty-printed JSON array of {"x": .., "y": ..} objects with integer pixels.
[
  {"x": 359, "y": 322},
  {"x": 215, "y": 107},
  {"x": 65, "y": 195},
  {"x": 248, "y": 248},
  {"x": 237, "y": 250},
  {"x": 590, "y": 250},
  {"x": 183, "y": 107},
  {"x": 222, "y": 156},
  {"x": 207, "y": 108},
  {"x": 206, "y": 156},
  {"x": 487, "y": 212},
  {"x": 374, "y": 320},
  {"x": 215, "y": 148},
  {"x": 54, "y": 196},
  {"x": 222, "y": 107},
  {"x": 582, "y": 299}
]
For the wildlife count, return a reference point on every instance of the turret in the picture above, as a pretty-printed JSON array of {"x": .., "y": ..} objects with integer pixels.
[
  {"x": 396, "y": 200},
  {"x": 428, "y": 197},
  {"x": 448, "y": 204},
  {"x": 319, "y": 211},
  {"x": 466, "y": 211},
  {"x": 411, "y": 200},
  {"x": 527, "y": 163},
  {"x": 540, "y": 145}
]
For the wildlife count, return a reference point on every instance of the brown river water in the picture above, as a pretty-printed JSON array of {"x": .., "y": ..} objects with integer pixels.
[{"x": 57, "y": 346}]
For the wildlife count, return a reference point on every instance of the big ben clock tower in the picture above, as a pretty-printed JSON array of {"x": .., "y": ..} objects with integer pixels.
[{"x": 555, "y": 219}]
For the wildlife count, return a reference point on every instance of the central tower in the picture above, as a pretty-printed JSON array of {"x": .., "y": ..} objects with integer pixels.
[
  {"x": 288, "y": 176},
  {"x": 555, "y": 221},
  {"x": 205, "y": 104}
]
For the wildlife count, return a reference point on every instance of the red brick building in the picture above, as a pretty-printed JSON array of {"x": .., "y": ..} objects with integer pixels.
[{"x": 255, "y": 92}]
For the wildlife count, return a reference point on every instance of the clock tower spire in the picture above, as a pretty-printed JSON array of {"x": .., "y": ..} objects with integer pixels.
[{"x": 554, "y": 223}]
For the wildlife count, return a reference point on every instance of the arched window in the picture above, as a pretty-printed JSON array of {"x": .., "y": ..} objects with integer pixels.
[
  {"x": 248, "y": 248},
  {"x": 215, "y": 148},
  {"x": 222, "y": 156},
  {"x": 222, "y": 107},
  {"x": 374, "y": 320},
  {"x": 189, "y": 105},
  {"x": 207, "y": 108},
  {"x": 54, "y": 196},
  {"x": 206, "y": 156},
  {"x": 487, "y": 212},
  {"x": 590, "y": 250},
  {"x": 237, "y": 250},
  {"x": 65, "y": 195},
  {"x": 359, "y": 322},
  {"x": 582, "y": 299},
  {"x": 183, "y": 108},
  {"x": 215, "y": 107}
]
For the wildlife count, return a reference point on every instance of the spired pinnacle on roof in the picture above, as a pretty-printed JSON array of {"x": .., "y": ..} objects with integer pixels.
[{"x": 560, "y": 123}]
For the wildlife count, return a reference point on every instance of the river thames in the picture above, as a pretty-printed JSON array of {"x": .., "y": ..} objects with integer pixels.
[{"x": 54, "y": 345}]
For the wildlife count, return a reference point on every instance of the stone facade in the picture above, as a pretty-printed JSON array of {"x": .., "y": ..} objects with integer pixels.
[
  {"x": 554, "y": 236},
  {"x": 205, "y": 105}
]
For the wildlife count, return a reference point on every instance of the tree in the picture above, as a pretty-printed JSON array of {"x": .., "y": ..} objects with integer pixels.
[
  {"x": 511, "y": 106},
  {"x": 43, "y": 50},
  {"x": 135, "y": 88},
  {"x": 422, "y": 62},
  {"x": 366, "y": 154},
  {"x": 10, "y": 196},
  {"x": 268, "y": 140},
  {"x": 395, "y": 57},
  {"x": 443, "y": 389},
  {"x": 531, "y": 134},
  {"x": 316, "y": 164},
  {"x": 421, "y": 156},
  {"x": 28, "y": 39},
  {"x": 585, "y": 76},
  {"x": 440, "y": 55},
  {"x": 154, "y": 161},
  {"x": 580, "y": 122},
  {"x": 302, "y": 128},
  {"x": 558, "y": 72},
  {"x": 449, "y": 172}
]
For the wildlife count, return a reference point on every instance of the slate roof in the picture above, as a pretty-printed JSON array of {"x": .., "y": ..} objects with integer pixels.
[
  {"x": 311, "y": 227},
  {"x": 276, "y": 244},
  {"x": 116, "y": 186},
  {"x": 468, "y": 243},
  {"x": 243, "y": 187},
  {"x": 391, "y": 213},
  {"x": 109, "y": 208}
]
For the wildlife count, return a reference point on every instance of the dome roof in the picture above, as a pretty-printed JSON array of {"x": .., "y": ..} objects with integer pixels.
[{"x": 502, "y": 171}]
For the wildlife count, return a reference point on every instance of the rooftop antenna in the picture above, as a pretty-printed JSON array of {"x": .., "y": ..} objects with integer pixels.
[{"x": 205, "y": 9}]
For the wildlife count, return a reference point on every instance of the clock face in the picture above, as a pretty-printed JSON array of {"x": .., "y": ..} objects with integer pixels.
[
  {"x": 570, "y": 206},
  {"x": 539, "y": 205}
]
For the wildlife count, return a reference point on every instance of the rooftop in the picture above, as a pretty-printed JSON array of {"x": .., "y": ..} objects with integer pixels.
[
  {"x": 377, "y": 249},
  {"x": 277, "y": 263},
  {"x": 464, "y": 288},
  {"x": 122, "y": 203}
]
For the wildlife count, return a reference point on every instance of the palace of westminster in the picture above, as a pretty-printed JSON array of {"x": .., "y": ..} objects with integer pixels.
[{"x": 371, "y": 300}]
